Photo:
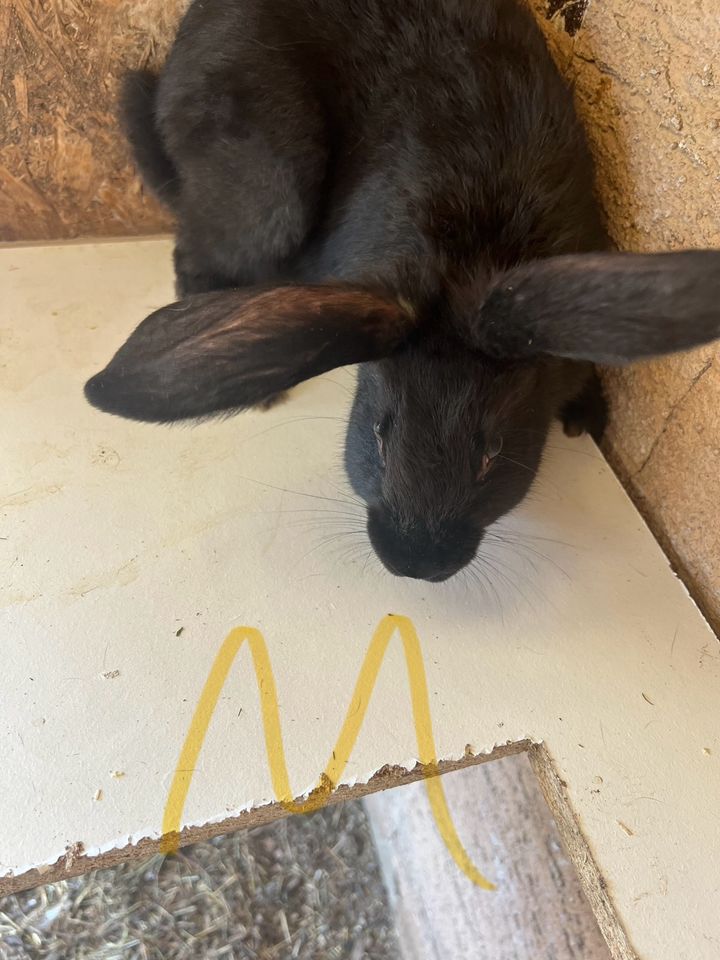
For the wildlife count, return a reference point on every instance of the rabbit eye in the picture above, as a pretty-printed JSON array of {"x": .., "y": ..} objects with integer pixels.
[
  {"x": 494, "y": 447},
  {"x": 378, "y": 431},
  {"x": 491, "y": 451}
]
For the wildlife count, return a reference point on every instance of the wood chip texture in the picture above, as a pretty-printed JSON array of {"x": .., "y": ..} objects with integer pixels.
[{"x": 65, "y": 170}]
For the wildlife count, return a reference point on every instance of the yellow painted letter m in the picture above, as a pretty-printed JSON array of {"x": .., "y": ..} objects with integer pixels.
[{"x": 340, "y": 755}]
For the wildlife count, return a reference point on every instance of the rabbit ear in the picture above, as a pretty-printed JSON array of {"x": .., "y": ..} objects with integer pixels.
[
  {"x": 232, "y": 349},
  {"x": 611, "y": 308}
]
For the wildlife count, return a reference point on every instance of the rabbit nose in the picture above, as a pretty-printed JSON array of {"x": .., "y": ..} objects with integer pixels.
[
  {"x": 441, "y": 577},
  {"x": 419, "y": 552},
  {"x": 418, "y": 571}
]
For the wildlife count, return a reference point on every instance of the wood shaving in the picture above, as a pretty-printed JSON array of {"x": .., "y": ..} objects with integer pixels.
[{"x": 72, "y": 852}]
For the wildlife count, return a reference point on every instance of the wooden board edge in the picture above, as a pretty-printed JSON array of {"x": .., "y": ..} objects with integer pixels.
[
  {"x": 592, "y": 880},
  {"x": 75, "y": 862},
  {"x": 102, "y": 241}
]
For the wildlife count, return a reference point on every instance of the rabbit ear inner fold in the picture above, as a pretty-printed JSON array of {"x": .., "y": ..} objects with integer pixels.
[
  {"x": 610, "y": 308},
  {"x": 232, "y": 349}
]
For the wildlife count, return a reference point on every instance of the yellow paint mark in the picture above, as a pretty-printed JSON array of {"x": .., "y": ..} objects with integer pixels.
[{"x": 340, "y": 755}]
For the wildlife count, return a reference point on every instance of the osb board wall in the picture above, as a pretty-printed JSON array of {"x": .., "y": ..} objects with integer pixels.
[
  {"x": 64, "y": 170},
  {"x": 645, "y": 75}
]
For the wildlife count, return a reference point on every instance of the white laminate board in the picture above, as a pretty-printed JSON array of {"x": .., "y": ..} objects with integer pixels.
[{"x": 115, "y": 535}]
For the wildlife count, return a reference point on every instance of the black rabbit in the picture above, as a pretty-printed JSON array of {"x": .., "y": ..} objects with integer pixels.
[{"x": 403, "y": 185}]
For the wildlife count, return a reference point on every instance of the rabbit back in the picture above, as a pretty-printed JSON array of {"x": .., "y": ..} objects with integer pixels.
[{"x": 360, "y": 140}]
